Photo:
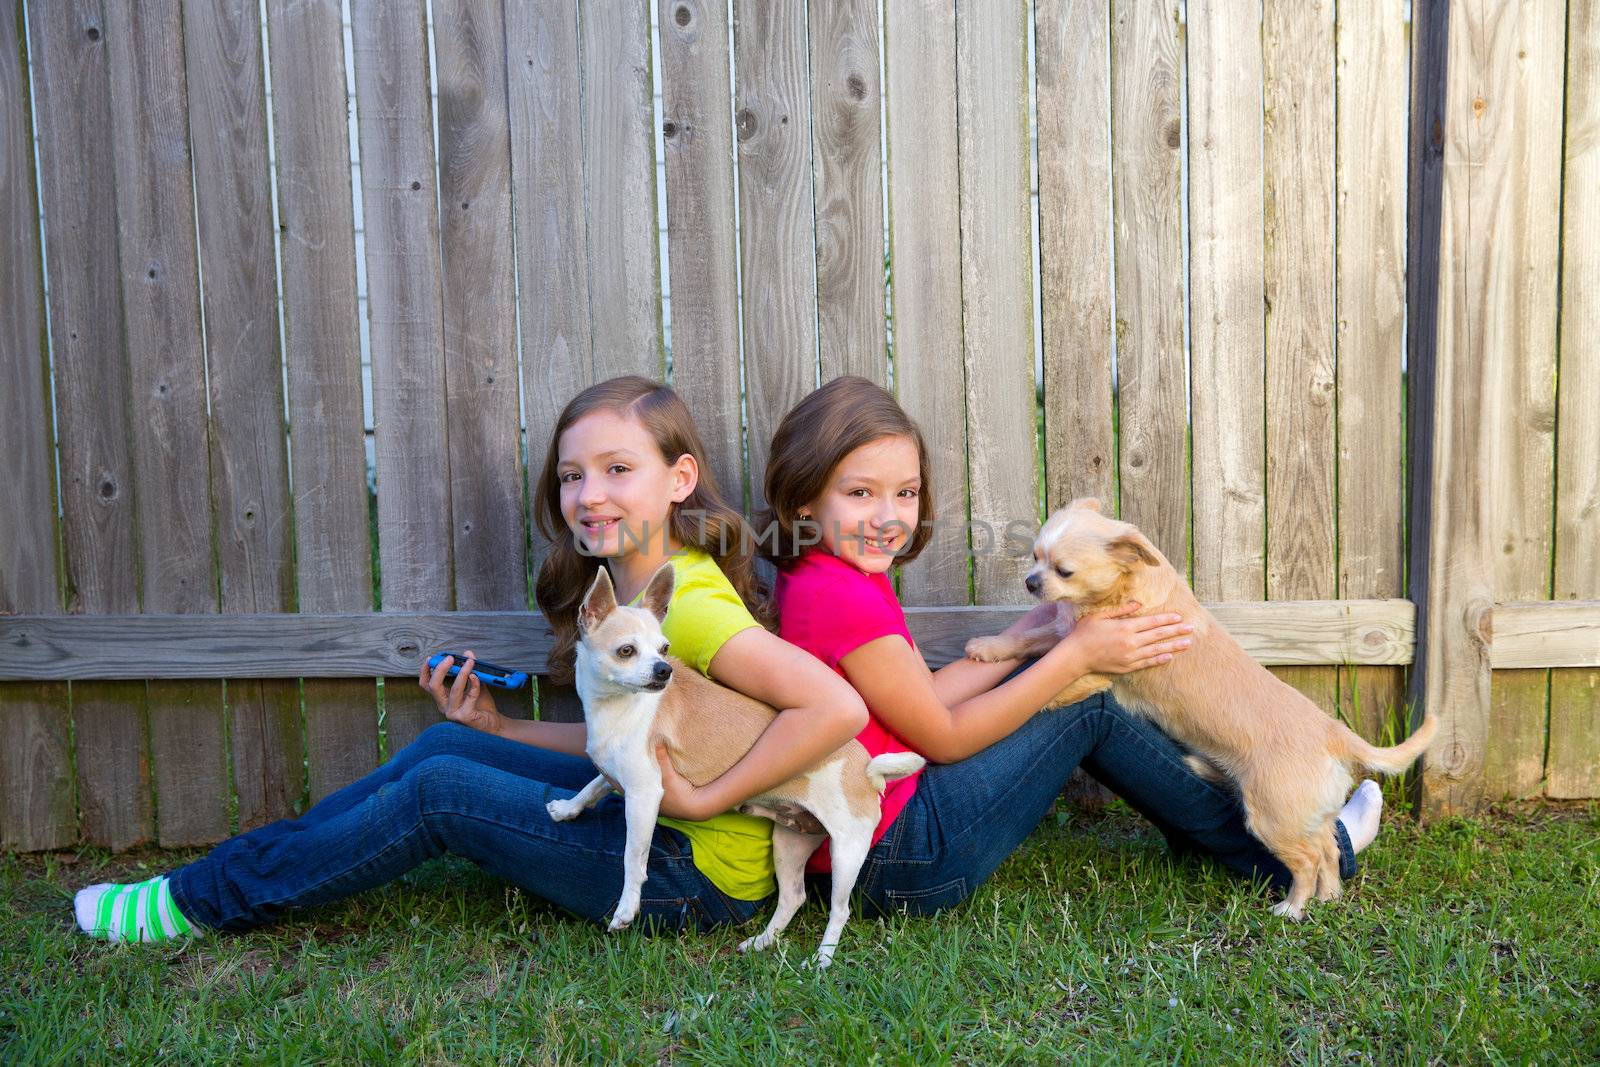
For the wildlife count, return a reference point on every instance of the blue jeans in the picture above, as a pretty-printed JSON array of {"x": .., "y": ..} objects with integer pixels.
[
  {"x": 966, "y": 817},
  {"x": 464, "y": 792}
]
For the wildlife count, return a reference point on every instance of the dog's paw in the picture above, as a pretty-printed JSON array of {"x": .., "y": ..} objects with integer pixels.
[
  {"x": 622, "y": 919},
  {"x": 1288, "y": 910},
  {"x": 823, "y": 959},
  {"x": 988, "y": 649},
  {"x": 564, "y": 810},
  {"x": 759, "y": 943}
]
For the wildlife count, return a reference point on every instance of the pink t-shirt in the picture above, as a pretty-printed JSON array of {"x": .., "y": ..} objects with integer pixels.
[{"x": 830, "y": 609}]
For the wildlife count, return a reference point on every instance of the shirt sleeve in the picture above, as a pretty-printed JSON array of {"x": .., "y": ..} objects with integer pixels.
[
  {"x": 838, "y": 617},
  {"x": 701, "y": 618}
]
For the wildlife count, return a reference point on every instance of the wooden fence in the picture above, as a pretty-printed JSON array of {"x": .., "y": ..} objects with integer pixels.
[{"x": 1310, "y": 293}]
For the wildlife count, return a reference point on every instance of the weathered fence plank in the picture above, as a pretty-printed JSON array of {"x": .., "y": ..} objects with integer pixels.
[
  {"x": 925, "y": 258},
  {"x": 404, "y": 306},
  {"x": 72, "y": 95},
  {"x": 249, "y": 475},
  {"x": 161, "y": 304},
  {"x": 1520, "y": 125},
  {"x": 543, "y": 87},
  {"x": 772, "y": 121},
  {"x": 49, "y": 647},
  {"x": 322, "y": 349},
  {"x": 489, "y": 519},
  {"x": 1298, "y": 65},
  {"x": 1370, "y": 302},
  {"x": 1227, "y": 319},
  {"x": 1452, "y": 372},
  {"x": 1074, "y": 103},
  {"x": 36, "y": 808},
  {"x": 1146, "y": 146},
  {"x": 1574, "y": 761},
  {"x": 847, "y": 172},
  {"x": 997, "y": 291},
  {"x": 619, "y": 173},
  {"x": 697, "y": 138}
]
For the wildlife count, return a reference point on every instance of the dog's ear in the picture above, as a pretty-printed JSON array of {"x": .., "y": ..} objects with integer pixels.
[
  {"x": 1131, "y": 548},
  {"x": 1088, "y": 503},
  {"x": 598, "y": 602},
  {"x": 658, "y": 594}
]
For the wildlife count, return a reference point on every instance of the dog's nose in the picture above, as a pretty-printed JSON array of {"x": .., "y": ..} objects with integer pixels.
[
  {"x": 1032, "y": 582},
  {"x": 662, "y": 671}
]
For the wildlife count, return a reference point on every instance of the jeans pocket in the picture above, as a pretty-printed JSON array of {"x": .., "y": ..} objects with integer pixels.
[{"x": 930, "y": 900}]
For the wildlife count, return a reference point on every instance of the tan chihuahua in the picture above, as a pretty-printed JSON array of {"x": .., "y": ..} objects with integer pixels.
[
  {"x": 635, "y": 695},
  {"x": 1291, "y": 762}
]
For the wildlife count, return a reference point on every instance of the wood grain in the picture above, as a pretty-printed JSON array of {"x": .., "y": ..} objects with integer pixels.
[
  {"x": 925, "y": 259},
  {"x": 322, "y": 350},
  {"x": 166, "y": 360},
  {"x": 772, "y": 123},
  {"x": 997, "y": 293},
  {"x": 1573, "y": 769}
]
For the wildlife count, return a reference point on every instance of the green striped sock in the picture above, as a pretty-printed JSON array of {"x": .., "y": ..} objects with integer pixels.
[{"x": 143, "y": 911}]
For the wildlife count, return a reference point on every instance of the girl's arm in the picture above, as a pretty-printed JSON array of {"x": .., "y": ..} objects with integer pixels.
[
  {"x": 893, "y": 679},
  {"x": 962, "y": 679},
  {"x": 820, "y": 712}
]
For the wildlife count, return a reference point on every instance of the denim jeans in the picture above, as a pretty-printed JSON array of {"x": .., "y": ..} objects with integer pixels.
[
  {"x": 464, "y": 792},
  {"x": 965, "y": 817}
]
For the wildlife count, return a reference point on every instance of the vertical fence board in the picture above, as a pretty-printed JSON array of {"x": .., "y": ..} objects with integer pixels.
[
  {"x": 1298, "y": 63},
  {"x": 1369, "y": 278},
  {"x": 925, "y": 257},
  {"x": 1454, "y": 371},
  {"x": 697, "y": 135},
  {"x": 619, "y": 173},
  {"x": 404, "y": 306},
  {"x": 249, "y": 480},
  {"x": 1074, "y": 102},
  {"x": 36, "y": 809},
  {"x": 72, "y": 94},
  {"x": 489, "y": 517},
  {"x": 543, "y": 89},
  {"x": 161, "y": 303},
  {"x": 997, "y": 291},
  {"x": 333, "y": 550},
  {"x": 1574, "y": 763},
  {"x": 847, "y": 170},
  {"x": 1522, "y": 117},
  {"x": 1227, "y": 317},
  {"x": 1146, "y": 141},
  {"x": 772, "y": 122}
]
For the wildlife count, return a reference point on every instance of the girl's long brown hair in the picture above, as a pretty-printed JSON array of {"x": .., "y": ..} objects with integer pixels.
[
  {"x": 818, "y": 432},
  {"x": 702, "y": 520}
]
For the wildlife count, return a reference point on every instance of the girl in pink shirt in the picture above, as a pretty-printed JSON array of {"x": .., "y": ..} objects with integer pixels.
[{"x": 849, "y": 498}]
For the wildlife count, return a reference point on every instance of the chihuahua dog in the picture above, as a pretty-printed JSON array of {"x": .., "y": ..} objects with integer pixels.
[
  {"x": 635, "y": 696},
  {"x": 1291, "y": 763}
]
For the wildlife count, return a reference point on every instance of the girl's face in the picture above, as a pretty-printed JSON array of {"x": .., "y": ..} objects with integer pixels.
[
  {"x": 617, "y": 492},
  {"x": 868, "y": 510}
]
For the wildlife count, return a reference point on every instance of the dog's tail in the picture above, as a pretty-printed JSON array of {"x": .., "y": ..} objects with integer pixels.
[
  {"x": 1396, "y": 758},
  {"x": 892, "y": 766}
]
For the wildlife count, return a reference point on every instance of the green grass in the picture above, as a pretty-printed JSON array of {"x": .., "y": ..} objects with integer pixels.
[{"x": 1460, "y": 942}]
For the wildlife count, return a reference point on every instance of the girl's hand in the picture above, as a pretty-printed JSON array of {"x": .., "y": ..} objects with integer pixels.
[
  {"x": 680, "y": 798},
  {"x": 1117, "y": 642},
  {"x": 467, "y": 700}
]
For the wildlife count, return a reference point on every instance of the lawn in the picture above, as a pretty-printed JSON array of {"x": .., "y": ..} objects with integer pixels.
[{"x": 1459, "y": 942}]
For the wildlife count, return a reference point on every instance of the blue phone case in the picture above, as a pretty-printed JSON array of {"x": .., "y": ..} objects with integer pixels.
[{"x": 488, "y": 673}]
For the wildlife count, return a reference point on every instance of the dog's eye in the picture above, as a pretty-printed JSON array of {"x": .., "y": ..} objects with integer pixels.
[
  {"x": 1063, "y": 572},
  {"x": 625, "y": 651},
  {"x": 663, "y": 648}
]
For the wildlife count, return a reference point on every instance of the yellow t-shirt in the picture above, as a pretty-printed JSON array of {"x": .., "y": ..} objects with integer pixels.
[{"x": 734, "y": 851}]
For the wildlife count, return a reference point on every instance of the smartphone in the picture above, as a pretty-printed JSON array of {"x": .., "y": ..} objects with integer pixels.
[{"x": 488, "y": 673}]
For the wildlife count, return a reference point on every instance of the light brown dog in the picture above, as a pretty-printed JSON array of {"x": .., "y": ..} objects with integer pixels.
[
  {"x": 1291, "y": 763},
  {"x": 635, "y": 695}
]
